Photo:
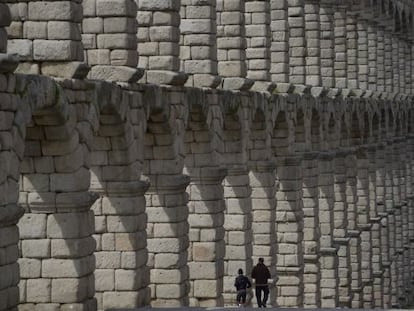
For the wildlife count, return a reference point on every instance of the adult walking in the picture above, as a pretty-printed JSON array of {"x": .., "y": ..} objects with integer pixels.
[
  {"x": 261, "y": 274},
  {"x": 242, "y": 283}
]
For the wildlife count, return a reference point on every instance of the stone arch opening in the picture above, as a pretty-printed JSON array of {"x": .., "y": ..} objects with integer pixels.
[
  {"x": 121, "y": 276},
  {"x": 237, "y": 194},
  {"x": 356, "y": 135},
  {"x": 301, "y": 144},
  {"x": 206, "y": 206},
  {"x": 57, "y": 262},
  {"x": 166, "y": 199},
  {"x": 262, "y": 183},
  {"x": 289, "y": 220},
  {"x": 316, "y": 122}
]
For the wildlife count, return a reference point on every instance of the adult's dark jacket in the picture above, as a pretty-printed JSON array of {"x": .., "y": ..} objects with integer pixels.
[{"x": 261, "y": 274}]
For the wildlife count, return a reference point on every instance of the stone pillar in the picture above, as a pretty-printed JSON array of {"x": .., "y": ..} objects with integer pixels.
[
  {"x": 9, "y": 239},
  {"x": 262, "y": 182},
  {"x": 238, "y": 227},
  {"x": 109, "y": 36},
  {"x": 207, "y": 247},
  {"x": 353, "y": 233},
  {"x": 395, "y": 54},
  {"x": 340, "y": 47},
  {"x": 411, "y": 217},
  {"x": 408, "y": 69},
  {"x": 399, "y": 144},
  {"x": 121, "y": 275},
  {"x": 297, "y": 42},
  {"x": 412, "y": 68},
  {"x": 46, "y": 36},
  {"x": 340, "y": 230},
  {"x": 401, "y": 65},
  {"x": 289, "y": 222},
  {"x": 390, "y": 207},
  {"x": 380, "y": 62},
  {"x": 352, "y": 51},
  {"x": 372, "y": 58},
  {"x": 279, "y": 56},
  {"x": 9, "y": 210},
  {"x": 362, "y": 54},
  {"x": 313, "y": 46},
  {"x": 198, "y": 46},
  {"x": 327, "y": 51},
  {"x": 8, "y": 62},
  {"x": 311, "y": 232},
  {"x": 167, "y": 241},
  {"x": 388, "y": 64},
  {"x": 374, "y": 217},
  {"x": 328, "y": 259},
  {"x": 231, "y": 45},
  {"x": 258, "y": 38},
  {"x": 57, "y": 262},
  {"x": 364, "y": 225},
  {"x": 159, "y": 42}
]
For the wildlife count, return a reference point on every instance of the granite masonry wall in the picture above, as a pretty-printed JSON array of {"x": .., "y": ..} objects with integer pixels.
[{"x": 150, "y": 148}]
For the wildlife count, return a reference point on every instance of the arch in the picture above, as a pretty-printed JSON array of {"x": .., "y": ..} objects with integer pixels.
[
  {"x": 120, "y": 220},
  {"x": 206, "y": 202},
  {"x": 166, "y": 198},
  {"x": 280, "y": 136},
  {"x": 301, "y": 143},
  {"x": 316, "y": 125},
  {"x": 54, "y": 183}
]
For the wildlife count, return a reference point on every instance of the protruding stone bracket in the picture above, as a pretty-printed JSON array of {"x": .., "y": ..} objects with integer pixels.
[
  {"x": 284, "y": 88},
  {"x": 333, "y": 93},
  {"x": 69, "y": 202},
  {"x": 240, "y": 84},
  {"x": 263, "y": 86},
  {"x": 318, "y": 92},
  {"x": 166, "y": 77},
  {"x": 116, "y": 73},
  {"x": 359, "y": 93},
  {"x": 208, "y": 175},
  {"x": 302, "y": 89},
  {"x": 68, "y": 70}
]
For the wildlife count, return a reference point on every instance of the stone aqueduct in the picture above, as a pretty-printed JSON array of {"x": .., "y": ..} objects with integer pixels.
[{"x": 275, "y": 128}]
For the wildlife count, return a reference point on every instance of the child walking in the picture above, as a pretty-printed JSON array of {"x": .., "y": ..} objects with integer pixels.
[{"x": 241, "y": 283}]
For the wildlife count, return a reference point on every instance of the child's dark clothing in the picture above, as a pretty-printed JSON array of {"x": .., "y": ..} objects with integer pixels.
[{"x": 242, "y": 283}]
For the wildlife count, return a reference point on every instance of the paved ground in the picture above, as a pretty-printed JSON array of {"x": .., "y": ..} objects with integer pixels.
[{"x": 235, "y": 308}]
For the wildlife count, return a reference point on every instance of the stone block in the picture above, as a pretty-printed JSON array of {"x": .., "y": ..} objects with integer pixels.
[
  {"x": 61, "y": 30},
  {"x": 104, "y": 280},
  {"x": 175, "y": 276},
  {"x": 67, "y": 268},
  {"x": 170, "y": 291},
  {"x": 70, "y": 225},
  {"x": 38, "y": 290},
  {"x": 127, "y": 280},
  {"x": 57, "y": 50},
  {"x": 55, "y": 11},
  {"x": 207, "y": 288},
  {"x": 32, "y": 226},
  {"x": 29, "y": 268},
  {"x": 70, "y": 290},
  {"x": 35, "y": 248},
  {"x": 116, "y": 8}
]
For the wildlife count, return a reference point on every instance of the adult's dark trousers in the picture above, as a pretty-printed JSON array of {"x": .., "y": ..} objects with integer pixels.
[
  {"x": 259, "y": 289},
  {"x": 241, "y": 296}
]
